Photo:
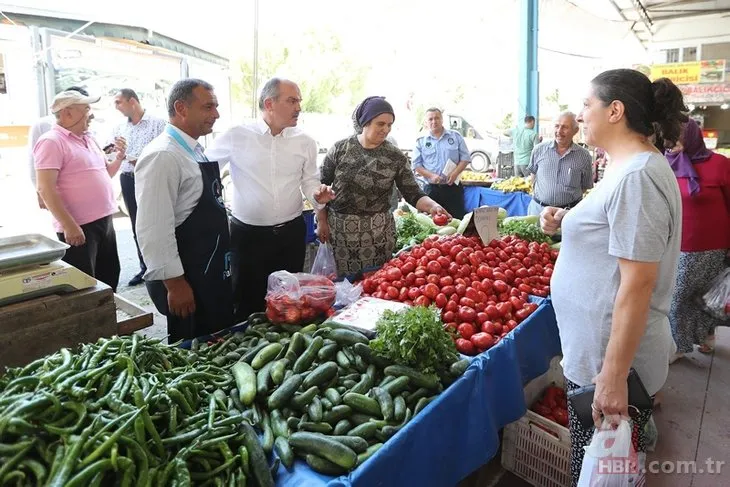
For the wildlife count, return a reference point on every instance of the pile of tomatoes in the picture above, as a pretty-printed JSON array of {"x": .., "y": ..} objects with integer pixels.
[
  {"x": 482, "y": 291},
  {"x": 553, "y": 405}
]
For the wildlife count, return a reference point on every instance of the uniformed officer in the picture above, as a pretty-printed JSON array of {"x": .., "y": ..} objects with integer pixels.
[{"x": 430, "y": 158}]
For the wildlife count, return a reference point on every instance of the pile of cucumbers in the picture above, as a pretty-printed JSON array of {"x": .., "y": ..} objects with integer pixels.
[{"x": 320, "y": 393}]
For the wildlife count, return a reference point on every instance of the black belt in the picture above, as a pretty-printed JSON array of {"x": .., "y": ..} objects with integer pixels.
[
  {"x": 567, "y": 207},
  {"x": 275, "y": 229}
]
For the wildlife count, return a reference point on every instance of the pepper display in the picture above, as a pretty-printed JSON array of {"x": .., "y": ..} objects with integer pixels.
[{"x": 144, "y": 413}]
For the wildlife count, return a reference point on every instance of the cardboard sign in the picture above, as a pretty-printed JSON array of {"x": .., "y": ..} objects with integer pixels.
[{"x": 485, "y": 221}]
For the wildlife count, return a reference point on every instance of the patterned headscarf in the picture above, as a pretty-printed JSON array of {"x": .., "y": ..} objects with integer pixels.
[{"x": 368, "y": 109}]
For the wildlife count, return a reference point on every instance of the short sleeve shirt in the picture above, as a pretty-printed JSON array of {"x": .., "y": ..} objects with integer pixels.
[{"x": 634, "y": 214}]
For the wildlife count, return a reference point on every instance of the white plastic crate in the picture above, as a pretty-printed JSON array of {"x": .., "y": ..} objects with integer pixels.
[{"x": 535, "y": 448}]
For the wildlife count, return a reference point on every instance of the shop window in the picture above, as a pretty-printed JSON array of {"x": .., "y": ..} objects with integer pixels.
[
  {"x": 672, "y": 55},
  {"x": 689, "y": 54}
]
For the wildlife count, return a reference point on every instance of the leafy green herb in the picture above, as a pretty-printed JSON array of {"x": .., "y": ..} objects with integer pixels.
[
  {"x": 524, "y": 230},
  {"x": 415, "y": 337},
  {"x": 412, "y": 231}
]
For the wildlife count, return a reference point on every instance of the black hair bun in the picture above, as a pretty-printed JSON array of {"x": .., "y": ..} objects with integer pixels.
[{"x": 669, "y": 109}]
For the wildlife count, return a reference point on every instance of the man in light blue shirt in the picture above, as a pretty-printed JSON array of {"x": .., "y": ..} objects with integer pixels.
[
  {"x": 524, "y": 138},
  {"x": 430, "y": 158}
]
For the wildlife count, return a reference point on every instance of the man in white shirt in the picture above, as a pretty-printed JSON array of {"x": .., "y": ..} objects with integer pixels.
[
  {"x": 182, "y": 227},
  {"x": 272, "y": 164},
  {"x": 138, "y": 130},
  {"x": 39, "y": 128}
]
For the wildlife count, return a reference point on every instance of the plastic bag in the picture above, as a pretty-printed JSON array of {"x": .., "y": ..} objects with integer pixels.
[
  {"x": 298, "y": 298},
  {"x": 610, "y": 460},
  {"x": 717, "y": 299},
  {"x": 324, "y": 262},
  {"x": 347, "y": 293}
]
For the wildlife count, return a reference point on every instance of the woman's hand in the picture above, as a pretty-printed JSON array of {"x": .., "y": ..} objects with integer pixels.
[
  {"x": 611, "y": 398},
  {"x": 323, "y": 231}
]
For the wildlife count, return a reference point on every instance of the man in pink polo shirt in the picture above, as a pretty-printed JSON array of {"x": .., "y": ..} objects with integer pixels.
[{"x": 74, "y": 180}]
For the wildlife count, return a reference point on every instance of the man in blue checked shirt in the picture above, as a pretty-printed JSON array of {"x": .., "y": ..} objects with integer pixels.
[{"x": 438, "y": 160}]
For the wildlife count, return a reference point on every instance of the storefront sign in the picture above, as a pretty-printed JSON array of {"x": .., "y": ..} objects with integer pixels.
[
  {"x": 700, "y": 72},
  {"x": 708, "y": 93}
]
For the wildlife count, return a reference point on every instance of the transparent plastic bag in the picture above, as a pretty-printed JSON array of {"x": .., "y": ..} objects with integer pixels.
[
  {"x": 324, "y": 262},
  {"x": 610, "y": 459},
  {"x": 298, "y": 298},
  {"x": 347, "y": 293},
  {"x": 717, "y": 298}
]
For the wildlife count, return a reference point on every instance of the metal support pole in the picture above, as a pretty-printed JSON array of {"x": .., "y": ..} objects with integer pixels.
[{"x": 529, "y": 83}]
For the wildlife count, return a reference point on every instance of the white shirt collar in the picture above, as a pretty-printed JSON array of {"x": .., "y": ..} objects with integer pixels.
[
  {"x": 192, "y": 143},
  {"x": 263, "y": 128}
]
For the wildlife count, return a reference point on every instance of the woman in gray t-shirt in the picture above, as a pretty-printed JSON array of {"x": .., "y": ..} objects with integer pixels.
[{"x": 613, "y": 281}]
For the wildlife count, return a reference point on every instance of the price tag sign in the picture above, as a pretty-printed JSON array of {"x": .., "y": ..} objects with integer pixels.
[{"x": 485, "y": 221}]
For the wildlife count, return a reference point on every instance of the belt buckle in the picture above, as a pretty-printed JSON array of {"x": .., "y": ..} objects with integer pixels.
[{"x": 277, "y": 228}]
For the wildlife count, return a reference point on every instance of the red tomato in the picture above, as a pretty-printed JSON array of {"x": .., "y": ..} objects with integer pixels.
[
  {"x": 454, "y": 251},
  {"x": 465, "y": 346},
  {"x": 446, "y": 281},
  {"x": 466, "y": 330},
  {"x": 434, "y": 267},
  {"x": 525, "y": 288},
  {"x": 420, "y": 281},
  {"x": 500, "y": 286},
  {"x": 461, "y": 289},
  {"x": 441, "y": 300},
  {"x": 413, "y": 293},
  {"x": 384, "y": 286},
  {"x": 517, "y": 303},
  {"x": 410, "y": 279},
  {"x": 398, "y": 284},
  {"x": 433, "y": 254},
  {"x": 504, "y": 307},
  {"x": 448, "y": 316},
  {"x": 452, "y": 306},
  {"x": 444, "y": 262},
  {"x": 466, "y": 314},
  {"x": 472, "y": 294},
  {"x": 461, "y": 258},
  {"x": 422, "y": 301},
  {"x": 492, "y": 312},
  {"x": 403, "y": 294},
  {"x": 433, "y": 279},
  {"x": 484, "y": 272},
  {"x": 448, "y": 290},
  {"x": 480, "y": 307},
  {"x": 421, "y": 273},
  {"x": 482, "y": 318},
  {"x": 440, "y": 219},
  {"x": 469, "y": 303},
  {"x": 482, "y": 341},
  {"x": 431, "y": 291},
  {"x": 522, "y": 314},
  {"x": 511, "y": 324},
  {"x": 408, "y": 267}
]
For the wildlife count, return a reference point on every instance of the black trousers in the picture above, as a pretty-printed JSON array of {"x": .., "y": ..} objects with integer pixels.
[
  {"x": 450, "y": 197},
  {"x": 98, "y": 257},
  {"x": 256, "y": 253},
  {"x": 126, "y": 181}
]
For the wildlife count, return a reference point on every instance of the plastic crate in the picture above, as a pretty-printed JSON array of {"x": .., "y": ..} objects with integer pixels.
[{"x": 535, "y": 448}]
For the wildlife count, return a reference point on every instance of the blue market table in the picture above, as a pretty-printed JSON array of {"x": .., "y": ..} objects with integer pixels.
[
  {"x": 515, "y": 203},
  {"x": 458, "y": 432}
]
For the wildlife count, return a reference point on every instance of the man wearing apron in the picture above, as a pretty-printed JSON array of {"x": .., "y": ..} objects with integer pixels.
[{"x": 182, "y": 227}]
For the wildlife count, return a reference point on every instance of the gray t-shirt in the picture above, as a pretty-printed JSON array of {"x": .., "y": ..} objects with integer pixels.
[{"x": 635, "y": 213}]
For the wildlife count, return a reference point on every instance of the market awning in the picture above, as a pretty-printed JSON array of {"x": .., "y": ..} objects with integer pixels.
[{"x": 116, "y": 31}]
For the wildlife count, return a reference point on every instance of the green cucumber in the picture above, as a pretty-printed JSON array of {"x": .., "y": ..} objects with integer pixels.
[
  {"x": 336, "y": 414},
  {"x": 278, "y": 370},
  {"x": 324, "y": 447},
  {"x": 372, "y": 372},
  {"x": 328, "y": 352},
  {"x": 326, "y": 404},
  {"x": 342, "y": 427},
  {"x": 285, "y": 392},
  {"x": 419, "y": 394},
  {"x": 371, "y": 357},
  {"x": 278, "y": 424},
  {"x": 267, "y": 441},
  {"x": 347, "y": 337},
  {"x": 307, "y": 358},
  {"x": 357, "y": 418},
  {"x": 324, "y": 428},
  {"x": 399, "y": 408},
  {"x": 362, "y": 457},
  {"x": 362, "y": 403},
  {"x": 417, "y": 378},
  {"x": 422, "y": 403},
  {"x": 321, "y": 375},
  {"x": 256, "y": 456},
  {"x": 458, "y": 368},
  {"x": 292, "y": 422},
  {"x": 245, "y": 378},
  {"x": 397, "y": 385},
  {"x": 284, "y": 451},
  {"x": 315, "y": 410},
  {"x": 360, "y": 365},
  {"x": 252, "y": 352},
  {"x": 334, "y": 397},
  {"x": 263, "y": 376},
  {"x": 301, "y": 401},
  {"x": 342, "y": 359},
  {"x": 357, "y": 444},
  {"x": 266, "y": 355},
  {"x": 323, "y": 466},
  {"x": 363, "y": 386},
  {"x": 365, "y": 430},
  {"x": 386, "y": 403}
]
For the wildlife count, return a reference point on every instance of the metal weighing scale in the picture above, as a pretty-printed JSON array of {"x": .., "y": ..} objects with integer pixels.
[{"x": 30, "y": 267}]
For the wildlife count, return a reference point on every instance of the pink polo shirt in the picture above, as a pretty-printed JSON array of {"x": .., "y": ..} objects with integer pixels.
[{"x": 83, "y": 181}]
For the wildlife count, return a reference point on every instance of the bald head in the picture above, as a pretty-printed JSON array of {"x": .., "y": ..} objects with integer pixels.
[{"x": 566, "y": 126}]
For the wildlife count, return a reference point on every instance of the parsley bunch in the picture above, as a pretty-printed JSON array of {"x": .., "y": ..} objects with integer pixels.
[
  {"x": 415, "y": 337},
  {"x": 524, "y": 230}
]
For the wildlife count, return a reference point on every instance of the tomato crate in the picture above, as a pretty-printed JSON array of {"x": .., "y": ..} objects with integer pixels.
[{"x": 533, "y": 447}]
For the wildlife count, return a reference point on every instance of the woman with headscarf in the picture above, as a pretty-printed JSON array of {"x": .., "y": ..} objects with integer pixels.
[
  {"x": 362, "y": 170},
  {"x": 704, "y": 181}
]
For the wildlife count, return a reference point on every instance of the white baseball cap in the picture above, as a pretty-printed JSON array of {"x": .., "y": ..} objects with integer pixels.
[{"x": 67, "y": 98}]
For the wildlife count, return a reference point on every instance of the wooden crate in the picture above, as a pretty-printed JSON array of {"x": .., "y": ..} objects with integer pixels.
[
  {"x": 41, "y": 326},
  {"x": 138, "y": 317}
]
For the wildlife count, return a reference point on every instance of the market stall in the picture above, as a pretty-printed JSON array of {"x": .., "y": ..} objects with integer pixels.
[{"x": 515, "y": 203}]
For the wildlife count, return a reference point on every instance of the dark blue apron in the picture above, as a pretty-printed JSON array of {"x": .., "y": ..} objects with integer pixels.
[{"x": 203, "y": 243}]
